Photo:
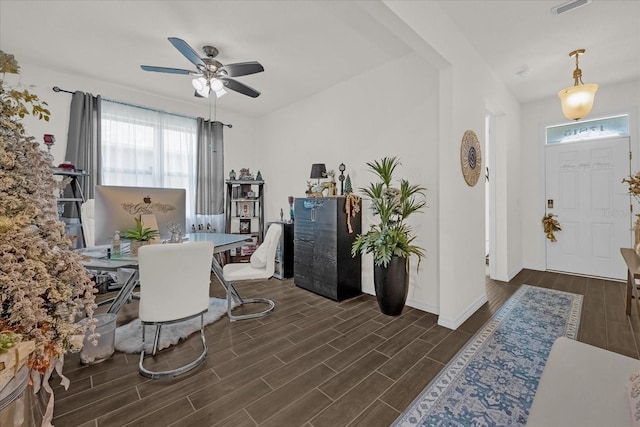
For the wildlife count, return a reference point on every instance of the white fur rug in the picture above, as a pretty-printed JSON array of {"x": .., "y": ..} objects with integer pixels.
[{"x": 129, "y": 336}]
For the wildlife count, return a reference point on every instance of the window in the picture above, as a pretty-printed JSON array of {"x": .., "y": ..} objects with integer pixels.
[
  {"x": 147, "y": 148},
  {"x": 607, "y": 127}
]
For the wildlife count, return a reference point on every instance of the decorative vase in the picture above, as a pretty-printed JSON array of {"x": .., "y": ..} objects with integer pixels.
[
  {"x": 135, "y": 245},
  {"x": 392, "y": 285},
  {"x": 636, "y": 231}
]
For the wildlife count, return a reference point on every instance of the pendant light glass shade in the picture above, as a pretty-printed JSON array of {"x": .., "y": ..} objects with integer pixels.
[{"x": 577, "y": 100}]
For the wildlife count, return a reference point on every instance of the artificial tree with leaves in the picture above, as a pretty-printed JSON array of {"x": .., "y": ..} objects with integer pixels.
[
  {"x": 391, "y": 236},
  {"x": 391, "y": 240},
  {"x": 347, "y": 185},
  {"x": 43, "y": 285}
]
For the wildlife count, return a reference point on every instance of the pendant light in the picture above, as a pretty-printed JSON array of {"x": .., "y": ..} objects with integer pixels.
[{"x": 577, "y": 100}]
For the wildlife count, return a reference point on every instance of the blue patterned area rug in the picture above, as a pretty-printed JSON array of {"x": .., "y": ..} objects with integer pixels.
[{"x": 493, "y": 379}]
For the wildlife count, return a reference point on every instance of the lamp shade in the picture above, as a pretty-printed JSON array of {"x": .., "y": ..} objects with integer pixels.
[
  {"x": 318, "y": 170},
  {"x": 577, "y": 101},
  {"x": 216, "y": 85},
  {"x": 199, "y": 84}
]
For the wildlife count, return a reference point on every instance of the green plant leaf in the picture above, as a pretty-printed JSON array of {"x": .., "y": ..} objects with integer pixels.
[
  {"x": 140, "y": 233},
  {"x": 391, "y": 236}
]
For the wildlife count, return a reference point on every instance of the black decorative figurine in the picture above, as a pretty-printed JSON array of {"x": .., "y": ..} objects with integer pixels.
[{"x": 341, "y": 168}]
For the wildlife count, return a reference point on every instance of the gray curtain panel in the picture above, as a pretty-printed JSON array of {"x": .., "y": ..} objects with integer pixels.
[
  {"x": 83, "y": 143},
  {"x": 210, "y": 173}
]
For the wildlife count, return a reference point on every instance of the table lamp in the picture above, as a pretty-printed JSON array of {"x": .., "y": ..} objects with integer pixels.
[{"x": 318, "y": 171}]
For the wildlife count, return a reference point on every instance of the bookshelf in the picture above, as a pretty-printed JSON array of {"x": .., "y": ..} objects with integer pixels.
[{"x": 244, "y": 214}]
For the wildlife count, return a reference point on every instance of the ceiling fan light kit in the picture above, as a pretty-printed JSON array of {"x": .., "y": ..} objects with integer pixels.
[
  {"x": 210, "y": 74},
  {"x": 203, "y": 87},
  {"x": 577, "y": 100}
]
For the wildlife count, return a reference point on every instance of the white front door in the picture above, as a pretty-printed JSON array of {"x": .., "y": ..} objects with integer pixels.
[{"x": 584, "y": 189}]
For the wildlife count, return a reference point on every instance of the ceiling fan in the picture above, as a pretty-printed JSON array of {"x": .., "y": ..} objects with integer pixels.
[{"x": 211, "y": 75}]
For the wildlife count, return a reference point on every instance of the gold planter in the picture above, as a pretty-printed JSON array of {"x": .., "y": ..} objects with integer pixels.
[{"x": 135, "y": 245}]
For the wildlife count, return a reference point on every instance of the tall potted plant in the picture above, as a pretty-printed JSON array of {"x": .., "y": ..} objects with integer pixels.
[{"x": 391, "y": 239}]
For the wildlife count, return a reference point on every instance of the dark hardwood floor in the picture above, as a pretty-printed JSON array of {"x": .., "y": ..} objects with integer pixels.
[{"x": 313, "y": 362}]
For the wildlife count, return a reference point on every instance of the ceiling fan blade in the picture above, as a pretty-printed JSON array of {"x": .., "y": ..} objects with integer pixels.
[
  {"x": 187, "y": 51},
  {"x": 240, "y": 87},
  {"x": 243, "y": 68},
  {"x": 166, "y": 70}
]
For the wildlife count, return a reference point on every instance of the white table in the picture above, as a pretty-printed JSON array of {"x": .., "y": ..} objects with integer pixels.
[{"x": 221, "y": 243}]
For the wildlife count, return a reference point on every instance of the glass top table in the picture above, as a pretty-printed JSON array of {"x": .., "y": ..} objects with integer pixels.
[{"x": 221, "y": 243}]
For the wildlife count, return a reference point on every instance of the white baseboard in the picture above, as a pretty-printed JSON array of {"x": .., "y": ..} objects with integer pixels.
[
  {"x": 500, "y": 278},
  {"x": 514, "y": 273},
  {"x": 429, "y": 308},
  {"x": 509, "y": 276},
  {"x": 534, "y": 267},
  {"x": 460, "y": 319}
]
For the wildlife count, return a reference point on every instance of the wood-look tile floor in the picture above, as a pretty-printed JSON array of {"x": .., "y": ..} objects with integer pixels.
[{"x": 312, "y": 362}]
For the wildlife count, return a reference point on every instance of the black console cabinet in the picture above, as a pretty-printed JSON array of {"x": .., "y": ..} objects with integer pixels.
[{"x": 322, "y": 248}]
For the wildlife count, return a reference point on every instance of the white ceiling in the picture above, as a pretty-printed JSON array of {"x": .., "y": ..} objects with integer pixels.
[
  {"x": 515, "y": 34},
  {"x": 306, "y": 46}
]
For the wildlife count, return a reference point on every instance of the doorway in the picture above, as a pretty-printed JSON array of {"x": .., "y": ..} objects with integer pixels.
[
  {"x": 489, "y": 200},
  {"x": 584, "y": 189}
]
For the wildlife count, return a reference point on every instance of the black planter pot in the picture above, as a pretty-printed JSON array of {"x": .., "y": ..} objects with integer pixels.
[{"x": 392, "y": 285}]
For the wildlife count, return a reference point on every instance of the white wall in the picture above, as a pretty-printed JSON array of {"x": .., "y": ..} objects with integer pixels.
[
  {"x": 40, "y": 81},
  {"x": 506, "y": 178},
  {"x": 417, "y": 108},
  {"x": 467, "y": 88},
  {"x": 610, "y": 100},
  {"x": 389, "y": 111}
]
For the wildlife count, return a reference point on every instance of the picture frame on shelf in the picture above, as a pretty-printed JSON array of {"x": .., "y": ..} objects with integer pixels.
[
  {"x": 245, "y": 189},
  {"x": 245, "y": 226},
  {"x": 245, "y": 210}
]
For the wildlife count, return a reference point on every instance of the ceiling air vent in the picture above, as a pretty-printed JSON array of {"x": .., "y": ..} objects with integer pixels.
[{"x": 566, "y": 7}]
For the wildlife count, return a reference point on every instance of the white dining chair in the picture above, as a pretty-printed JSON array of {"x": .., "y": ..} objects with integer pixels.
[
  {"x": 260, "y": 267},
  {"x": 174, "y": 287},
  {"x": 87, "y": 216}
]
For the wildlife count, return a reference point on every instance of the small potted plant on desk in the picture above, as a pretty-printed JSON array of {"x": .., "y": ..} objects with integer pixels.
[
  {"x": 139, "y": 236},
  {"x": 391, "y": 240}
]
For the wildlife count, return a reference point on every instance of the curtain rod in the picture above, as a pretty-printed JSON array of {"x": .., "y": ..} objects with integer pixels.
[
  {"x": 57, "y": 89},
  {"x": 155, "y": 109}
]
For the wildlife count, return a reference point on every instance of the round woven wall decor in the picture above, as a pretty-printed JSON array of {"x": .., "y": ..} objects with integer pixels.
[{"x": 470, "y": 157}]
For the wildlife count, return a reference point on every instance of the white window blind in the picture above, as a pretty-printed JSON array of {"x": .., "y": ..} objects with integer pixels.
[{"x": 147, "y": 148}]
